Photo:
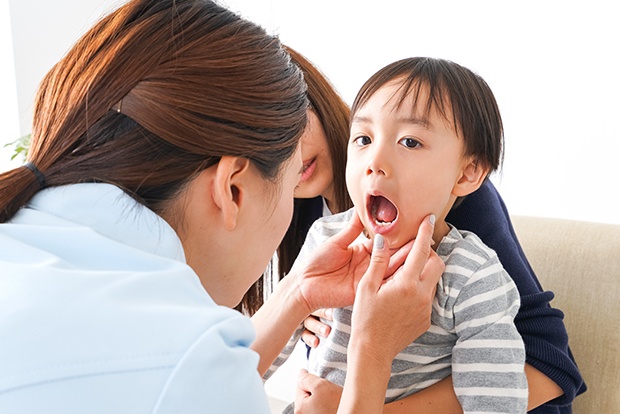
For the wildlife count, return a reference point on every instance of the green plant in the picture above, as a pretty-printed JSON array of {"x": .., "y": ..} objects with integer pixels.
[{"x": 20, "y": 147}]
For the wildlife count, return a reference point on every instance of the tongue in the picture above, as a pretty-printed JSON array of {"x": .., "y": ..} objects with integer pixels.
[{"x": 384, "y": 210}]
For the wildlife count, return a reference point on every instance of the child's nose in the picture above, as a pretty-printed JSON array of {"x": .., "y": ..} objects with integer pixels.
[{"x": 378, "y": 162}]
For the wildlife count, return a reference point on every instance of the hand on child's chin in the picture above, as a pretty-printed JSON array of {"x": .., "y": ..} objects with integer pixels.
[{"x": 395, "y": 245}]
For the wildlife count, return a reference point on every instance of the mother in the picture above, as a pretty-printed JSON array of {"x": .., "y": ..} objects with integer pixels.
[{"x": 159, "y": 182}]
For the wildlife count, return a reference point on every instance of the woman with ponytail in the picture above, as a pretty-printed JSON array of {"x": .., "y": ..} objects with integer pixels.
[{"x": 159, "y": 182}]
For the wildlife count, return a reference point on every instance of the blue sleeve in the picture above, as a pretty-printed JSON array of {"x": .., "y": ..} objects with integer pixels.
[
  {"x": 541, "y": 326},
  {"x": 217, "y": 374}
]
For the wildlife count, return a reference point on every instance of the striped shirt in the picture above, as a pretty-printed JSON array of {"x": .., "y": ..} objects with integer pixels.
[{"x": 472, "y": 335}]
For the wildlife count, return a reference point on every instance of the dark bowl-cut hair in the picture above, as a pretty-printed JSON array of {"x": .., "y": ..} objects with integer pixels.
[{"x": 451, "y": 88}]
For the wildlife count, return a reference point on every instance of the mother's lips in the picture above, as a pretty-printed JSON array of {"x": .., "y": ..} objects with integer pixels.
[{"x": 308, "y": 169}]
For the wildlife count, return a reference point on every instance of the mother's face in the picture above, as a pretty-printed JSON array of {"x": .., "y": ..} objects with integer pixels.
[{"x": 317, "y": 178}]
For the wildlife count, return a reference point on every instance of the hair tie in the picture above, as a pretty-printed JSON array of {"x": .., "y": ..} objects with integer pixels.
[{"x": 37, "y": 173}]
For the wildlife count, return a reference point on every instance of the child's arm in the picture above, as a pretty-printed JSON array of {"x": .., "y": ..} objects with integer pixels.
[
  {"x": 489, "y": 356},
  {"x": 540, "y": 325}
]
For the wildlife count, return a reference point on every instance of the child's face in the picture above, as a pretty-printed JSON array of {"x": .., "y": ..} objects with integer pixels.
[{"x": 400, "y": 166}]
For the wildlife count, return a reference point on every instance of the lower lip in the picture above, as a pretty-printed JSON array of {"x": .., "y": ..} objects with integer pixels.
[{"x": 308, "y": 171}]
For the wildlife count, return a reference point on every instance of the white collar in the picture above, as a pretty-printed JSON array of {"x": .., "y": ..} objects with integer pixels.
[{"x": 109, "y": 211}]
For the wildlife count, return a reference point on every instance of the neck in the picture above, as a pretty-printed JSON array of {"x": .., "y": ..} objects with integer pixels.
[
  {"x": 441, "y": 230},
  {"x": 330, "y": 199}
]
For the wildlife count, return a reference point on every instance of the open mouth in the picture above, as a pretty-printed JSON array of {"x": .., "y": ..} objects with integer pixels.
[{"x": 382, "y": 211}]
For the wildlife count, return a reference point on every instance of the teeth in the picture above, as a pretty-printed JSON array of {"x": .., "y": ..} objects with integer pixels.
[{"x": 373, "y": 212}]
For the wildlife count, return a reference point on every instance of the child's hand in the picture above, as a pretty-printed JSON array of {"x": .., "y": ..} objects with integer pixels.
[
  {"x": 315, "y": 329},
  {"x": 316, "y": 395}
]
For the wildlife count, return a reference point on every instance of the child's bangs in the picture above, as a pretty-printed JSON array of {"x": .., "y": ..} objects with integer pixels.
[{"x": 426, "y": 93}]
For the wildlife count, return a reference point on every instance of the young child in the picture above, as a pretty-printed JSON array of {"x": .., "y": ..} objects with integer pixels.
[{"x": 425, "y": 133}]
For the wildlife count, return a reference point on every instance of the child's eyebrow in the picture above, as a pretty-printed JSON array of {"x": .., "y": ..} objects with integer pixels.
[
  {"x": 414, "y": 120},
  {"x": 358, "y": 118}
]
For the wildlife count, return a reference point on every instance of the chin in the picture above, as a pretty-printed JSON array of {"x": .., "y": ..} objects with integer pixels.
[{"x": 305, "y": 191}]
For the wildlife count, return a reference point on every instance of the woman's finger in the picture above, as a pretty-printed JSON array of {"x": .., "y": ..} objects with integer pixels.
[
  {"x": 379, "y": 261},
  {"x": 397, "y": 259},
  {"x": 345, "y": 237},
  {"x": 418, "y": 257}
]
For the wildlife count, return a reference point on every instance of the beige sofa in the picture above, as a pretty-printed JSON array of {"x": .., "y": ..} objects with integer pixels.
[{"x": 580, "y": 262}]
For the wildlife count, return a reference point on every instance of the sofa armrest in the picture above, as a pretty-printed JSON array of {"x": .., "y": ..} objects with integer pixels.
[{"x": 580, "y": 262}]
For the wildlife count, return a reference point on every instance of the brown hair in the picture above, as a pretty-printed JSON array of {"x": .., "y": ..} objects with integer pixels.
[
  {"x": 476, "y": 116},
  {"x": 189, "y": 82},
  {"x": 333, "y": 114}
]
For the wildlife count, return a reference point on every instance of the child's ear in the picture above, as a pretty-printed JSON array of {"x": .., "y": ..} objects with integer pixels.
[
  {"x": 229, "y": 188},
  {"x": 472, "y": 177}
]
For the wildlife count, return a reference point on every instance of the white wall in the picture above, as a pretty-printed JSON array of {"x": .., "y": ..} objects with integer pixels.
[
  {"x": 8, "y": 94},
  {"x": 553, "y": 66}
]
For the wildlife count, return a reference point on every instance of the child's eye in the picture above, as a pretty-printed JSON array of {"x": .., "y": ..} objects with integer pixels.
[
  {"x": 410, "y": 142},
  {"x": 361, "y": 140}
]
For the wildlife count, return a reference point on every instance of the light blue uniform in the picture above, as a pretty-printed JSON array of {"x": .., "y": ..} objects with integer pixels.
[{"x": 99, "y": 313}]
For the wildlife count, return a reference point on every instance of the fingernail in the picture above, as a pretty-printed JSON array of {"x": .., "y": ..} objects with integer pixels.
[
  {"x": 329, "y": 312},
  {"x": 379, "y": 241},
  {"x": 432, "y": 219}
]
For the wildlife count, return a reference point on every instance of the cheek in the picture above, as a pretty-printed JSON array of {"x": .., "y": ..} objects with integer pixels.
[
  {"x": 284, "y": 211},
  {"x": 350, "y": 171},
  {"x": 353, "y": 178}
]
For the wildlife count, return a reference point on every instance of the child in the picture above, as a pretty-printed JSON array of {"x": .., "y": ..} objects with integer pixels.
[{"x": 425, "y": 133}]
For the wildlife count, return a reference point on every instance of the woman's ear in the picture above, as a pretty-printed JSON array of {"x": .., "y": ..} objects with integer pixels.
[
  {"x": 472, "y": 177},
  {"x": 229, "y": 188}
]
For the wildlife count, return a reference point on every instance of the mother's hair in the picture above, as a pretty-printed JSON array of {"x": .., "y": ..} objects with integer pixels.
[{"x": 156, "y": 92}]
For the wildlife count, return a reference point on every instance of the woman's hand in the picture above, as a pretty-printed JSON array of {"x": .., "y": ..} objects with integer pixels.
[
  {"x": 391, "y": 313},
  {"x": 329, "y": 278},
  {"x": 388, "y": 314}
]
